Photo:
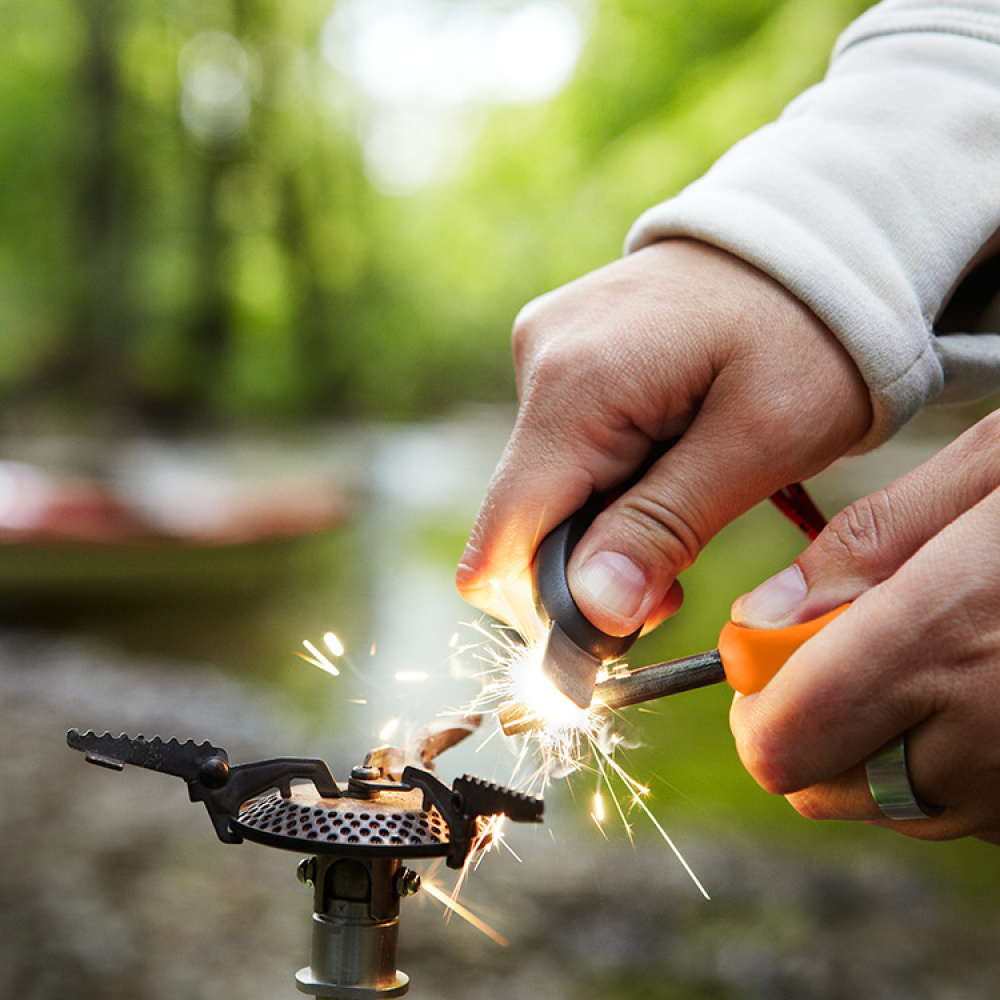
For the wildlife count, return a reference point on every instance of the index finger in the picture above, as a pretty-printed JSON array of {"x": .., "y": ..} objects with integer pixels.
[
  {"x": 534, "y": 488},
  {"x": 912, "y": 649},
  {"x": 826, "y": 709}
]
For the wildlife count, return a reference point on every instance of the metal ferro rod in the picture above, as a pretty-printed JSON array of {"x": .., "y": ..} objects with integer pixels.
[{"x": 660, "y": 680}]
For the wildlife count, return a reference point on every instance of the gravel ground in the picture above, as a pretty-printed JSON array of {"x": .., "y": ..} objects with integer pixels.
[{"x": 113, "y": 886}]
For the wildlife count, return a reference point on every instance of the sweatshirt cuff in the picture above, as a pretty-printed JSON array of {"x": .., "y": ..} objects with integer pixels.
[{"x": 868, "y": 198}]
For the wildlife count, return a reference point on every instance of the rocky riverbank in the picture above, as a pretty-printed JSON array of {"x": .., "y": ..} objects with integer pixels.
[{"x": 113, "y": 886}]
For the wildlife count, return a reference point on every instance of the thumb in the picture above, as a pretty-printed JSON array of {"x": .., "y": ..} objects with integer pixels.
[{"x": 870, "y": 539}]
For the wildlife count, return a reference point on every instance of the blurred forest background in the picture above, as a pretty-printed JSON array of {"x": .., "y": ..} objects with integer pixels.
[
  {"x": 260, "y": 212},
  {"x": 280, "y": 233}
]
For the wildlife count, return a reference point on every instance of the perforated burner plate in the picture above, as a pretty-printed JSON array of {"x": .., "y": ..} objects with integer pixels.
[{"x": 393, "y": 825}]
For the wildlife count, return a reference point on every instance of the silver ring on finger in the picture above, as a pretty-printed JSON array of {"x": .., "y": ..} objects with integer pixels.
[{"x": 891, "y": 786}]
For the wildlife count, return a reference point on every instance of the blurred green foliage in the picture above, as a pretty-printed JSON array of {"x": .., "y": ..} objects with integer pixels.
[
  {"x": 187, "y": 232},
  {"x": 176, "y": 260}
]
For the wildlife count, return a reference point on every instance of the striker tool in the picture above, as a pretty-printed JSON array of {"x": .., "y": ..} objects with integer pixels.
[
  {"x": 575, "y": 649},
  {"x": 358, "y": 834},
  {"x": 746, "y": 657}
]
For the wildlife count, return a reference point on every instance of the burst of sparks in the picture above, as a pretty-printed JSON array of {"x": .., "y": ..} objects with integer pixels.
[
  {"x": 567, "y": 738},
  {"x": 565, "y": 731},
  {"x": 515, "y": 677}
]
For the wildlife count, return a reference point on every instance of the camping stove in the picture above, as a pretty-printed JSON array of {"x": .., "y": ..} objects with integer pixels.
[{"x": 358, "y": 834}]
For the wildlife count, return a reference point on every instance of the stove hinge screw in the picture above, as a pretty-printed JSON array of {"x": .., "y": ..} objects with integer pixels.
[
  {"x": 307, "y": 872},
  {"x": 406, "y": 882}
]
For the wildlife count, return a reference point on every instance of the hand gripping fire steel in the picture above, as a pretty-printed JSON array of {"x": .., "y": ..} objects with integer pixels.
[
  {"x": 575, "y": 649},
  {"x": 358, "y": 833}
]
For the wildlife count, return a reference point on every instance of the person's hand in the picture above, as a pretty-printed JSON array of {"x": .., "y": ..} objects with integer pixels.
[
  {"x": 677, "y": 341},
  {"x": 918, "y": 651}
]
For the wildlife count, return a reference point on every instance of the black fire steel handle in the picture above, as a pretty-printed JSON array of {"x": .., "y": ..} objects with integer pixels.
[{"x": 552, "y": 592}]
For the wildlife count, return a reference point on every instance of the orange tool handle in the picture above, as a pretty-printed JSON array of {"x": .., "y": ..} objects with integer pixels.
[{"x": 752, "y": 656}]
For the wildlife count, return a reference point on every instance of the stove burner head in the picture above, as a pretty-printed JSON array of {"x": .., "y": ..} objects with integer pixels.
[
  {"x": 393, "y": 825},
  {"x": 381, "y": 812}
]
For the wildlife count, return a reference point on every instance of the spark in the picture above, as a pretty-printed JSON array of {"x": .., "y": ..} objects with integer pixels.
[
  {"x": 603, "y": 776},
  {"x": 454, "y": 906},
  {"x": 489, "y": 836},
  {"x": 319, "y": 659},
  {"x": 639, "y": 793},
  {"x": 598, "y": 810},
  {"x": 333, "y": 644}
]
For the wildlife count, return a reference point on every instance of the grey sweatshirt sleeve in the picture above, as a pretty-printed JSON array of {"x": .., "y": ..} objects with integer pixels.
[{"x": 869, "y": 197}]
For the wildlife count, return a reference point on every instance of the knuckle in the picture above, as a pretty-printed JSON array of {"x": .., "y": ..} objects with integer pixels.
[
  {"x": 773, "y": 776},
  {"x": 860, "y": 530},
  {"x": 537, "y": 331},
  {"x": 551, "y": 368},
  {"x": 524, "y": 333},
  {"x": 563, "y": 345},
  {"x": 811, "y": 803},
  {"x": 765, "y": 762},
  {"x": 987, "y": 432},
  {"x": 672, "y": 537}
]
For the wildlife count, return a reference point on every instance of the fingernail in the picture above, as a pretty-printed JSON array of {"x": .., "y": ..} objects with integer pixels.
[
  {"x": 773, "y": 601},
  {"x": 613, "y": 582}
]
